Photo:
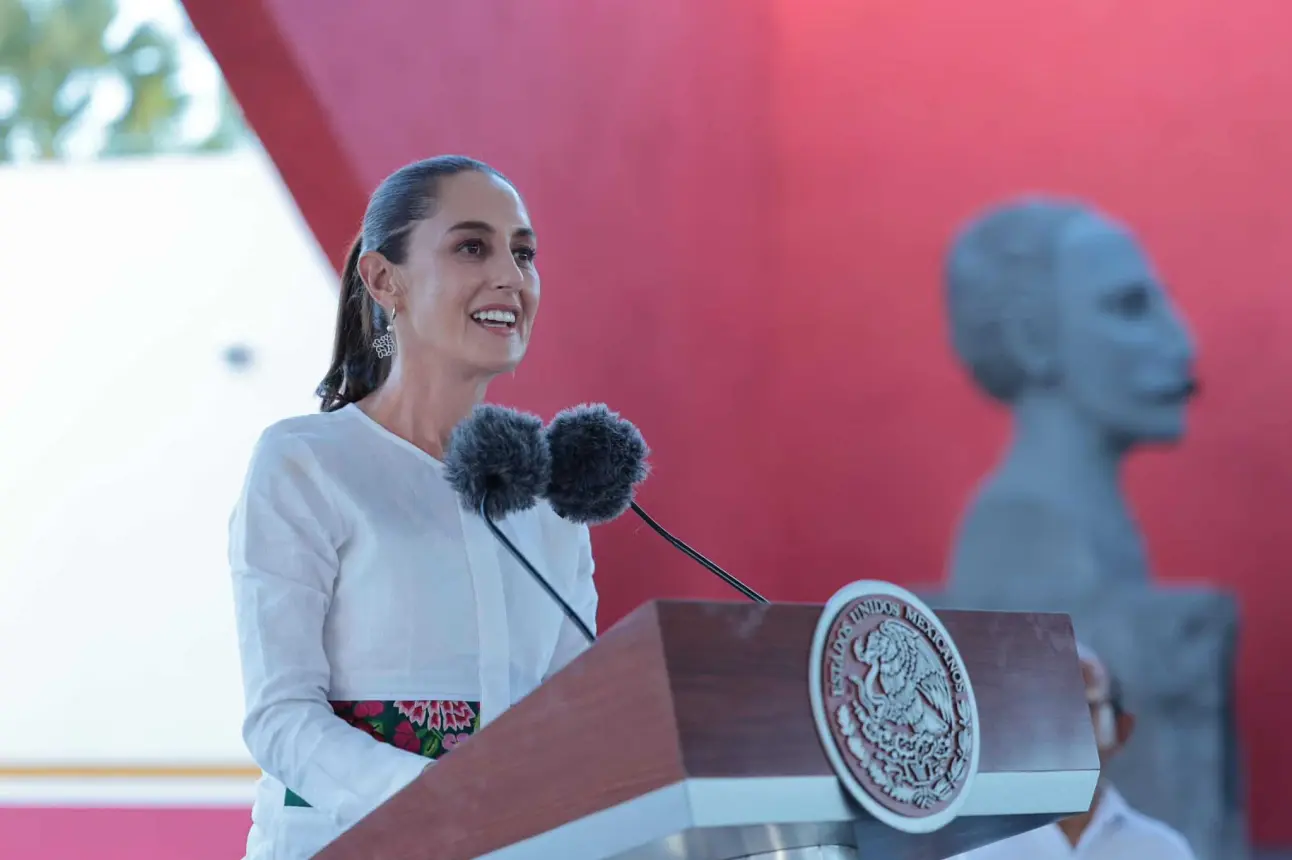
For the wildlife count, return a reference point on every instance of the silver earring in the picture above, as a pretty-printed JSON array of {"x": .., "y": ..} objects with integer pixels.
[{"x": 384, "y": 344}]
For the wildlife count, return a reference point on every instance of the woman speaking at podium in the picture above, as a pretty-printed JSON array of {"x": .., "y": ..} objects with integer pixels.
[{"x": 379, "y": 623}]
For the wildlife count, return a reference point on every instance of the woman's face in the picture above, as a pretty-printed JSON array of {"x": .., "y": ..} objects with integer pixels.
[{"x": 467, "y": 292}]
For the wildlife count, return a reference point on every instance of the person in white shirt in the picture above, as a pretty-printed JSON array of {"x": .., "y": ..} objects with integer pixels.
[
  {"x": 380, "y": 624},
  {"x": 1111, "y": 829}
]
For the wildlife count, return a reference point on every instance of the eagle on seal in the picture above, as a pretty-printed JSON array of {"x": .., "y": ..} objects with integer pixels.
[{"x": 912, "y": 683}]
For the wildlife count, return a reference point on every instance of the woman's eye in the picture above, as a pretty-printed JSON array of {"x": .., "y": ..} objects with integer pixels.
[
  {"x": 524, "y": 256},
  {"x": 473, "y": 247}
]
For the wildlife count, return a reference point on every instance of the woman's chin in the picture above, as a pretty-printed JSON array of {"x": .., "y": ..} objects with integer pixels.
[{"x": 497, "y": 365}]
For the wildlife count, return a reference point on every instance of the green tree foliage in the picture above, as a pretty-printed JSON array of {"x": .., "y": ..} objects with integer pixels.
[{"x": 55, "y": 59}]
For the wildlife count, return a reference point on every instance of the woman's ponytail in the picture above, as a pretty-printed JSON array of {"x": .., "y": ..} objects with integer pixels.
[{"x": 356, "y": 371}]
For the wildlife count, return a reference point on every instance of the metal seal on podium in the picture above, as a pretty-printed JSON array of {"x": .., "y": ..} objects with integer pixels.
[{"x": 894, "y": 706}]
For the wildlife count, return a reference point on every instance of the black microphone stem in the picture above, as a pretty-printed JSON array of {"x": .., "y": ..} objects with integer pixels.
[
  {"x": 708, "y": 565},
  {"x": 533, "y": 571}
]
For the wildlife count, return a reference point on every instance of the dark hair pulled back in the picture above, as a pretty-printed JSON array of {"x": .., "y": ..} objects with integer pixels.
[{"x": 402, "y": 199}]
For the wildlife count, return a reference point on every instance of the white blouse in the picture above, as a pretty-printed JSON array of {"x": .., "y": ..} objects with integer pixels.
[{"x": 358, "y": 576}]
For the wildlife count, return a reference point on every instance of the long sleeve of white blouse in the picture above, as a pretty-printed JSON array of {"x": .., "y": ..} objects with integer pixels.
[{"x": 283, "y": 542}]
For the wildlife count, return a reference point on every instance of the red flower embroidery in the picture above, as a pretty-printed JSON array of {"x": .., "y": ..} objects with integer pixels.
[
  {"x": 415, "y": 711},
  {"x": 422, "y": 727},
  {"x": 450, "y": 716},
  {"x": 406, "y": 738},
  {"x": 358, "y": 714},
  {"x": 363, "y": 710}
]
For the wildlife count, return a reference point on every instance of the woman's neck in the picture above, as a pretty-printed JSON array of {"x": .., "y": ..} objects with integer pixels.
[{"x": 424, "y": 407}]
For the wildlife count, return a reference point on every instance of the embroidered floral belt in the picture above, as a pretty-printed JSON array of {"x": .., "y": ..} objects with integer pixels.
[{"x": 427, "y": 728}]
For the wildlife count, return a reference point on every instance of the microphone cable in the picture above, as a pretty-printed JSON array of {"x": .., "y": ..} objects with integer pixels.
[
  {"x": 695, "y": 556},
  {"x": 533, "y": 571}
]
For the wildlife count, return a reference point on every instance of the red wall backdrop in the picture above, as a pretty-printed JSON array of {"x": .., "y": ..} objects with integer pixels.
[{"x": 742, "y": 204}]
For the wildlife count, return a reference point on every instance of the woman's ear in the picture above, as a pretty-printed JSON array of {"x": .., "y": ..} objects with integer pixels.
[{"x": 378, "y": 276}]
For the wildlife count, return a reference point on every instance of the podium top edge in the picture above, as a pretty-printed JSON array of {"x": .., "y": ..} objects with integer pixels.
[{"x": 735, "y": 601}]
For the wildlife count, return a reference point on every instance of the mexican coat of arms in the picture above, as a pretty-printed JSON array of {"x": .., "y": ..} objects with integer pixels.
[{"x": 894, "y": 706}]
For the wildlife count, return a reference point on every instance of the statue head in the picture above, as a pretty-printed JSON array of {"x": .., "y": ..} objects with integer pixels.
[{"x": 1052, "y": 297}]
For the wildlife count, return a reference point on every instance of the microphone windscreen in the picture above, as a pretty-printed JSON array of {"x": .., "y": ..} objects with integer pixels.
[
  {"x": 598, "y": 459},
  {"x": 499, "y": 456}
]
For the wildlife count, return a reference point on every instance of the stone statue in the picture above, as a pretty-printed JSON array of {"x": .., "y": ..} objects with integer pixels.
[{"x": 1058, "y": 313}]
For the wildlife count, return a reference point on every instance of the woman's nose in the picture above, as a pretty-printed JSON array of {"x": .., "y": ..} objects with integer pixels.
[{"x": 509, "y": 276}]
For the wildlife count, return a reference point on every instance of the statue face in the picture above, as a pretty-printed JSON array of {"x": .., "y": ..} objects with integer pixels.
[{"x": 1125, "y": 356}]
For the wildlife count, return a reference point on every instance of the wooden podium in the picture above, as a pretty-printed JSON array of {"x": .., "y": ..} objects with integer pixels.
[{"x": 686, "y": 732}]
